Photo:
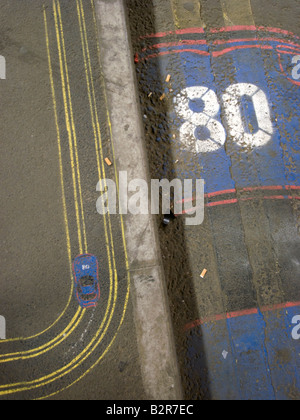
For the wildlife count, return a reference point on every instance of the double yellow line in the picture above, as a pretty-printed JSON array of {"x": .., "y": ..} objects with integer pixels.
[
  {"x": 25, "y": 386},
  {"x": 5, "y": 358}
]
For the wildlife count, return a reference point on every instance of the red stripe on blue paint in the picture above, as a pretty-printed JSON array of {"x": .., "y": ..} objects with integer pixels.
[{"x": 236, "y": 314}]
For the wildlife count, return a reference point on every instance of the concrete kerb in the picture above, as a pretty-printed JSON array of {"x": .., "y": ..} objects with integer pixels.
[{"x": 152, "y": 316}]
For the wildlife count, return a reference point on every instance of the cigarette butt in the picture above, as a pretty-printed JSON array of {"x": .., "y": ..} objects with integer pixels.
[
  {"x": 168, "y": 78},
  {"x": 162, "y": 97},
  {"x": 108, "y": 162},
  {"x": 202, "y": 275}
]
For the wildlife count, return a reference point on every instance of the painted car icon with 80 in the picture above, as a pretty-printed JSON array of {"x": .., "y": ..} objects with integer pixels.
[{"x": 86, "y": 279}]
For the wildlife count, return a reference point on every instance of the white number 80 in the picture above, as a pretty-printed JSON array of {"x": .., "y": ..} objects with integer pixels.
[{"x": 203, "y": 131}]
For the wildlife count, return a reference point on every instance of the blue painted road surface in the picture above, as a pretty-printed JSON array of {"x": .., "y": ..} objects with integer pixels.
[{"x": 231, "y": 98}]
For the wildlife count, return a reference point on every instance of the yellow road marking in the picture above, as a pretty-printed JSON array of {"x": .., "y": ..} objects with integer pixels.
[
  {"x": 100, "y": 358},
  {"x": 62, "y": 189},
  {"x": 237, "y": 12},
  {"x": 73, "y": 128},
  {"x": 93, "y": 108},
  {"x": 68, "y": 126},
  {"x": 186, "y": 14},
  {"x": 112, "y": 144},
  {"x": 75, "y": 362},
  {"x": 96, "y": 131},
  {"x": 29, "y": 354},
  {"x": 123, "y": 236},
  {"x": 97, "y": 338},
  {"x": 22, "y": 355}
]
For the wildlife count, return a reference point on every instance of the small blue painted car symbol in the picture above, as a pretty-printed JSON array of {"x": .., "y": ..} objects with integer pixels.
[{"x": 86, "y": 279}]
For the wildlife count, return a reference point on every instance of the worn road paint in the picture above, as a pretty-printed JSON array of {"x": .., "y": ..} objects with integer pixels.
[
  {"x": 264, "y": 359},
  {"x": 246, "y": 50},
  {"x": 237, "y": 11},
  {"x": 101, "y": 326},
  {"x": 232, "y": 118}
]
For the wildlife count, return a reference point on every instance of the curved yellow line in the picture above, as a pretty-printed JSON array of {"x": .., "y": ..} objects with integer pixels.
[
  {"x": 76, "y": 362},
  {"x": 63, "y": 195},
  {"x": 67, "y": 331},
  {"x": 27, "y": 386},
  {"x": 105, "y": 351}
]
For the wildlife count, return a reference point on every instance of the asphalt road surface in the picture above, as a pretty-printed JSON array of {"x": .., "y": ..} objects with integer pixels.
[
  {"x": 219, "y": 91},
  {"x": 55, "y": 137},
  {"x": 219, "y": 88}
]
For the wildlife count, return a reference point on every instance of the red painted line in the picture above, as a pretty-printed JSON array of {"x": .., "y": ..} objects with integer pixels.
[
  {"x": 214, "y": 194},
  {"x": 266, "y": 197},
  {"x": 245, "y": 312},
  {"x": 288, "y": 52},
  {"x": 222, "y": 203},
  {"x": 246, "y": 189},
  {"x": 276, "y": 197},
  {"x": 237, "y": 314},
  {"x": 222, "y": 42},
  {"x": 187, "y": 31},
  {"x": 276, "y": 187},
  {"x": 208, "y": 195},
  {"x": 234, "y": 28},
  {"x": 241, "y": 47},
  {"x": 277, "y": 306},
  {"x": 291, "y": 46},
  {"x": 279, "y": 31},
  {"x": 232, "y": 41},
  {"x": 162, "y": 53},
  {"x": 221, "y": 30},
  {"x": 271, "y": 197},
  {"x": 175, "y": 44},
  {"x": 224, "y": 51},
  {"x": 236, "y": 200},
  {"x": 214, "y": 53}
]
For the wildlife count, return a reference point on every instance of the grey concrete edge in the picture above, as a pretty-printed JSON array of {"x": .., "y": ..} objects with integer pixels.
[{"x": 159, "y": 365}]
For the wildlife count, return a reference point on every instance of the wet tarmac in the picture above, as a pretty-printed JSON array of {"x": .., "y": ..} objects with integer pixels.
[
  {"x": 219, "y": 99},
  {"x": 218, "y": 84},
  {"x": 51, "y": 161}
]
